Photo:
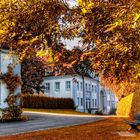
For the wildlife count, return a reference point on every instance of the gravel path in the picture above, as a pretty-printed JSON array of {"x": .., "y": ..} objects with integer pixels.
[{"x": 43, "y": 121}]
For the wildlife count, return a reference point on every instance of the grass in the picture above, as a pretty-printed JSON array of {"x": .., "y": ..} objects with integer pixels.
[
  {"x": 59, "y": 111},
  {"x": 101, "y": 130}
]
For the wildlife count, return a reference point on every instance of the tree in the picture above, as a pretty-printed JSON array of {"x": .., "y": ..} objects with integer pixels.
[
  {"x": 32, "y": 73},
  {"x": 31, "y": 25},
  {"x": 114, "y": 26},
  {"x": 83, "y": 69}
]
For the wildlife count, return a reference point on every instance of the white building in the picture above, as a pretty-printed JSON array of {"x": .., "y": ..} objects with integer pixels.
[{"x": 88, "y": 97}]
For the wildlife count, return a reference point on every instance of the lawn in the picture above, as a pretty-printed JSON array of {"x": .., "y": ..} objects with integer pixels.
[
  {"x": 59, "y": 111},
  {"x": 102, "y": 130}
]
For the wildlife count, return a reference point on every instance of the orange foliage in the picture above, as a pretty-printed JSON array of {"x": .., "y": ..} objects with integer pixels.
[
  {"x": 124, "y": 105},
  {"x": 130, "y": 105}
]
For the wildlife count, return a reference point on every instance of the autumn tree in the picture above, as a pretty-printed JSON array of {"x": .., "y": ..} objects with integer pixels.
[
  {"x": 31, "y": 25},
  {"x": 114, "y": 27},
  {"x": 83, "y": 68},
  {"x": 32, "y": 73}
]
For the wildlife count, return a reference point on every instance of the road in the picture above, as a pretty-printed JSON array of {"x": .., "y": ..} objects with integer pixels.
[{"x": 43, "y": 121}]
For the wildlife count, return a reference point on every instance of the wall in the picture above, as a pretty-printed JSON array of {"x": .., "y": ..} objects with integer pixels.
[
  {"x": 62, "y": 92},
  {"x": 5, "y": 60}
]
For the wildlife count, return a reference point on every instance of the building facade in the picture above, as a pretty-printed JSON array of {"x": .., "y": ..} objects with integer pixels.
[{"x": 87, "y": 93}]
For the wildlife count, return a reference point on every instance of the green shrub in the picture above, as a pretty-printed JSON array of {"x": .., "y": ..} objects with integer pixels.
[{"x": 44, "y": 102}]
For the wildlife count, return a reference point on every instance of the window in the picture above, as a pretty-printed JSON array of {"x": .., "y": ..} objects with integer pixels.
[
  {"x": 77, "y": 85},
  {"x": 86, "y": 86},
  {"x": 68, "y": 85},
  {"x": 108, "y": 103},
  {"x": 81, "y": 86},
  {"x": 57, "y": 86},
  {"x": 86, "y": 103},
  {"x": 94, "y": 103},
  {"x": 81, "y": 101},
  {"x": 89, "y": 104},
  {"x": 95, "y": 88},
  {"x": 92, "y": 88},
  {"x": 78, "y": 101},
  {"x": 89, "y": 87},
  {"x": 47, "y": 87}
]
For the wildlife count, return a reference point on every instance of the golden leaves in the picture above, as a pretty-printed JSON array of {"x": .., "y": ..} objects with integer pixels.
[
  {"x": 137, "y": 17},
  {"x": 112, "y": 26},
  {"x": 85, "y": 5},
  {"x": 30, "y": 23}
]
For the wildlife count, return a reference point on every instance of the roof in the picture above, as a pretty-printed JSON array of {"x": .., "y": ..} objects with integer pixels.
[{"x": 69, "y": 71}]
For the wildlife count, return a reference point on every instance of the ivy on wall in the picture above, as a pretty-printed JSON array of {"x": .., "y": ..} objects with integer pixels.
[{"x": 12, "y": 81}]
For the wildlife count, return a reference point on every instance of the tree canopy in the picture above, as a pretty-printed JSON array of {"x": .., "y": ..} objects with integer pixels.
[
  {"x": 112, "y": 25},
  {"x": 32, "y": 74},
  {"x": 28, "y": 25}
]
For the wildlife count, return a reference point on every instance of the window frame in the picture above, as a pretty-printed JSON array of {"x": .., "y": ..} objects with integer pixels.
[
  {"x": 81, "y": 86},
  {"x": 81, "y": 101},
  {"x": 57, "y": 89},
  {"x": 68, "y": 85},
  {"x": 47, "y": 87},
  {"x": 78, "y": 86}
]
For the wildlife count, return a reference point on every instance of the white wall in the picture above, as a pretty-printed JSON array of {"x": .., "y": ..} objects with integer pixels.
[
  {"x": 3, "y": 94},
  {"x": 75, "y": 93},
  {"x": 5, "y": 60},
  {"x": 62, "y": 92}
]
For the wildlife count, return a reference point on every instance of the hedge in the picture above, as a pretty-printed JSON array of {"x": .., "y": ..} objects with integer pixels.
[
  {"x": 130, "y": 105},
  {"x": 44, "y": 102},
  {"x": 124, "y": 106}
]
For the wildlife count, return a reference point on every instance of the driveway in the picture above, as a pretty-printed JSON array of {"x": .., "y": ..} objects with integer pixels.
[{"x": 43, "y": 121}]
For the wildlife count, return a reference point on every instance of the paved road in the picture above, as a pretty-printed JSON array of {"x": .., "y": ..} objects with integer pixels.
[{"x": 38, "y": 121}]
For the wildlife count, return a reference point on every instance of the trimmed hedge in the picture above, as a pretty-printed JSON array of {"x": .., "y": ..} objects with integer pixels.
[
  {"x": 129, "y": 105},
  {"x": 44, "y": 102},
  {"x": 124, "y": 105}
]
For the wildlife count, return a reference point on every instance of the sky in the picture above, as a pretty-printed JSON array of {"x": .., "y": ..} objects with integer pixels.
[
  {"x": 71, "y": 43},
  {"x": 75, "y": 42},
  {"x": 72, "y": 2}
]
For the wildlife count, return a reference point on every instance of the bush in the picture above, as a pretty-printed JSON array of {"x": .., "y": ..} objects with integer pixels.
[
  {"x": 112, "y": 111},
  {"x": 99, "y": 113},
  {"x": 44, "y": 102}
]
